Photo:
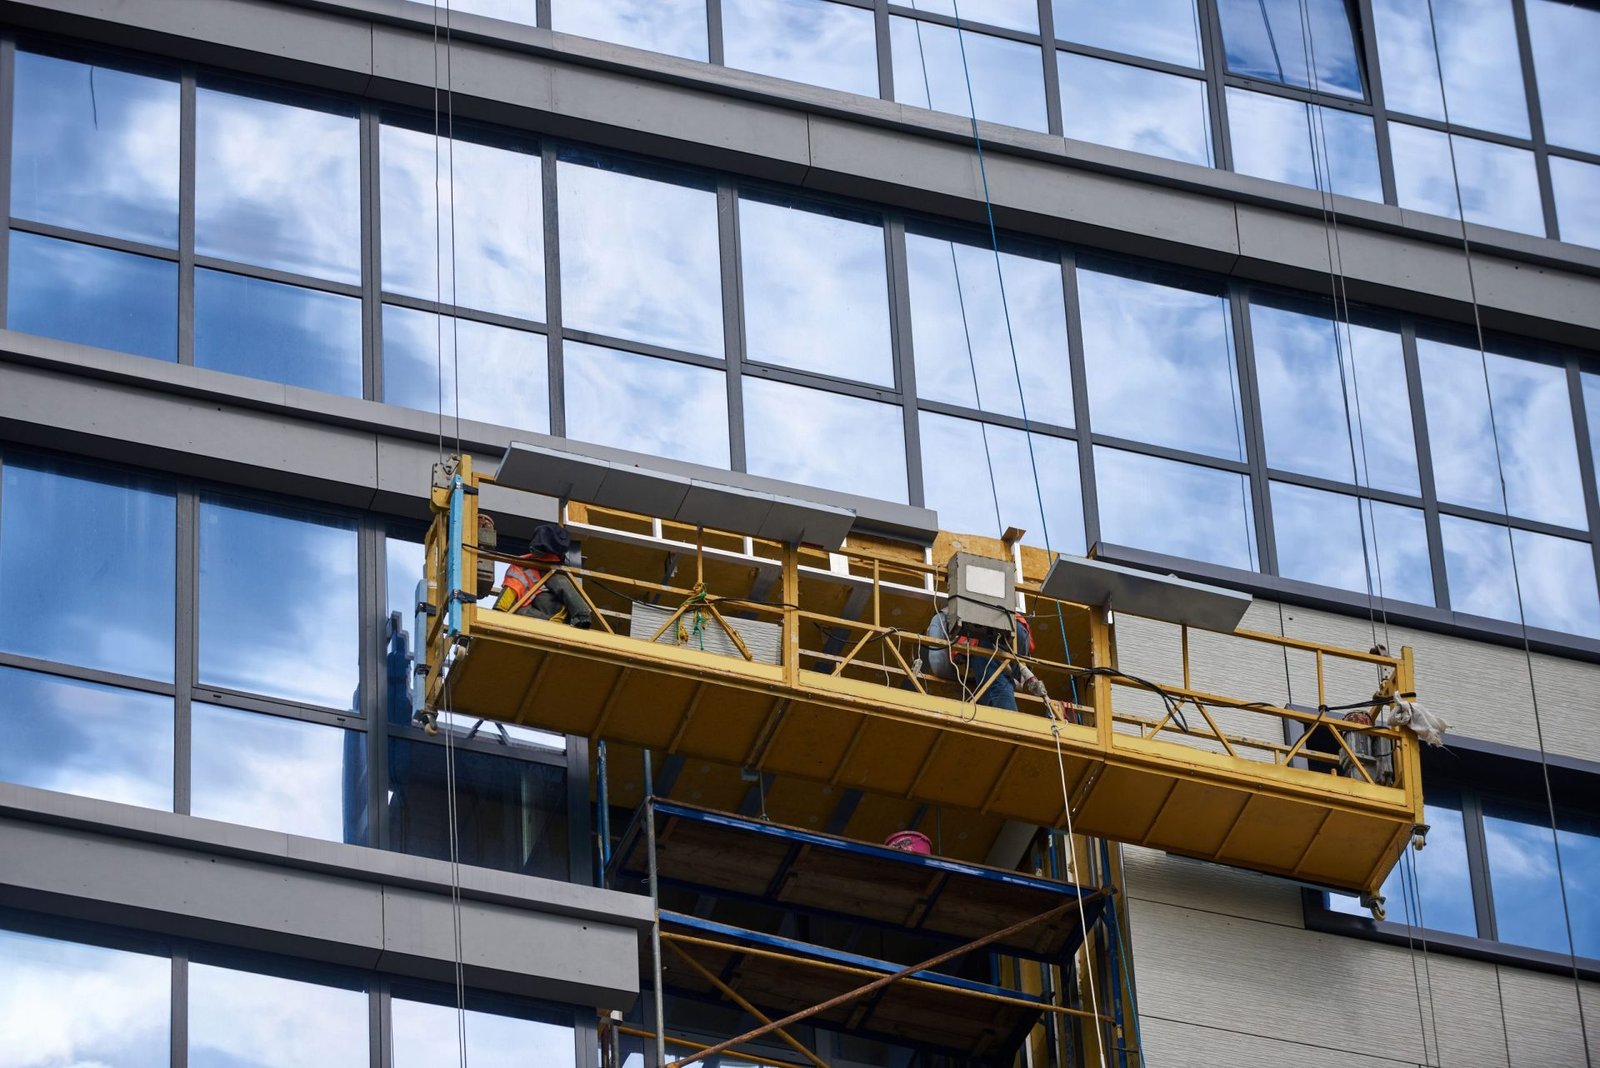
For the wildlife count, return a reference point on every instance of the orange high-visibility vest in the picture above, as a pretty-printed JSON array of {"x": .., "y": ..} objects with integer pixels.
[{"x": 513, "y": 591}]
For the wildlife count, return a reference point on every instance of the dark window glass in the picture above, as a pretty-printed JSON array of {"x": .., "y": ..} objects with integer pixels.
[
  {"x": 503, "y": 376},
  {"x": 1441, "y": 879},
  {"x": 1499, "y": 186},
  {"x": 646, "y": 404},
  {"x": 968, "y": 466},
  {"x": 1140, "y": 495},
  {"x": 62, "y": 1003},
  {"x": 1565, "y": 37},
  {"x": 281, "y": 774},
  {"x": 929, "y": 72},
  {"x": 1320, "y": 538},
  {"x": 1130, "y": 107},
  {"x": 960, "y": 337},
  {"x": 426, "y": 1035},
  {"x": 1577, "y": 189},
  {"x": 510, "y": 814},
  {"x": 246, "y": 1020},
  {"x": 277, "y": 185},
  {"x": 95, "y": 148},
  {"x": 677, "y": 27},
  {"x": 1528, "y": 909},
  {"x": 816, "y": 292},
  {"x": 1477, "y": 49},
  {"x": 808, "y": 41},
  {"x": 1303, "y": 144},
  {"x": 1012, "y": 14},
  {"x": 1333, "y": 399},
  {"x": 87, "y": 567},
  {"x": 278, "y": 607},
  {"x": 798, "y": 434},
  {"x": 1285, "y": 40},
  {"x": 1156, "y": 29},
  {"x": 497, "y": 245},
  {"x": 93, "y": 296},
  {"x": 1160, "y": 364},
  {"x": 86, "y": 739},
  {"x": 1591, "y": 406},
  {"x": 281, "y": 333},
  {"x": 639, "y": 259},
  {"x": 1530, "y": 426},
  {"x": 1556, "y": 576}
]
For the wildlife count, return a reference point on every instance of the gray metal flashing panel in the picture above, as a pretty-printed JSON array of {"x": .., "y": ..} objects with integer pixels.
[{"x": 1145, "y": 593}]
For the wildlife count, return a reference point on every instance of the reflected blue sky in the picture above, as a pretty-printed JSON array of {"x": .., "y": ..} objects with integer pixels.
[
  {"x": 278, "y": 606},
  {"x": 95, "y": 148},
  {"x": 816, "y": 292},
  {"x": 1556, "y": 576},
  {"x": 1269, "y": 39},
  {"x": 1012, "y": 14},
  {"x": 824, "y": 439},
  {"x": 646, "y": 404},
  {"x": 504, "y": 374},
  {"x": 289, "y": 334},
  {"x": 1499, "y": 186},
  {"x": 809, "y": 41},
  {"x": 1160, "y": 364},
  {"x": 1441, "y": 876},
  {"x": 1007, "y": 79},
  {"x": 246, "y": 1020},
  {"x": 86, "y": 739},
  {"x": 1130, "y": 107},
  {"x": 677, "y": 27},
  {"x": 1157, "y": 29},
  {"x": 277, "y": 185},
  {"x": 497, "y": 246},
  {"x": 1528, "y": 909},
  {"x": 1175, "y": 508},
  {"x": 957, "y": 458},
  {"x": 107, "y": 601},
  {"x": 1565, "y": 37},
  {"x": 639, "y": 259},
  {"x": 93, "y": 296},
  {"x": 1477, "y": 51},
  {"x": 1577, "y": 190},
  {"x": 958, "y": 329},
  {"x": 1332, "y": 399},
  {"x": 1318, "y": 536},
  {"x": 426, "y": 1036},
  {"x": 64, "y": 1003},
  {"x": 1532, "y": 421},
  {"x": 1303, "y": 144},
  {"x": 522, "y": 11}
]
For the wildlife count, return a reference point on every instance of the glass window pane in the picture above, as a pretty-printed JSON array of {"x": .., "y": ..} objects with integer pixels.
[
  {"x": 803, "y": 40},
  {"x": 1499, "y": 186},
  {"x": 1333, "y": 399},
  {"x": 281, "y": 333},
  {"x": 816, "y": 292},
  {"x": 504, "y": 374},
  {"x": 95, "y": 148},
  {"x": 677, "y": 27},
  {"x": 1140, "y": 496},
  {"x": 1477, "y": 49},
  {"x": 86, "y": 739},
  {"x": 523, "y": 11},
  {"x": 426, "y": 1035},
  {"x": 277, "y": 185},
  {"x": 88, "y": 559},
  {"x": 1156, "y": 29},
  {"x": 639, "y": 259},
  {"x": 1160, "y": 364},
  {"x": 1577, "y": 189},
  {"x": 278, "y": 606},
  {"x": 1130, "y": 107},
  {"x": 646, "y": 404},
  {"x": 245, "y": 1020},
  {"x": 510, "y": 814},
  {"x": 1442, "y": 880},
  {"x": 799, "y": 435},
  {"x": 497, "y": 247},
  {"x": 1270, "y": 39},
  {"x": 279, "y": 774},
  {"x": 1011, "y": 14},
  {"x": 1532, "y": 420},
  {"x": 93, "y": 296},
  {"x": 1304, "y": 144},
  {"x": 1320, "y": 539},
  {"x": 959, "y": 335},
  {"x": 1556, "y": 576},
  {"x": 1591, "y": 406},
  {"x": 1527, "y": 883},
  {"x": 63, "y": 1003},
  {"x": 1007, "y": 79},
  {"x": 1565, "y": 37},
  {"x": 967, "y": 466}
]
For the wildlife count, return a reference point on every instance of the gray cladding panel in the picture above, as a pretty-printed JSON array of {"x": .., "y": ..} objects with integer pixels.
[{"x": 1175, "y": 1044}]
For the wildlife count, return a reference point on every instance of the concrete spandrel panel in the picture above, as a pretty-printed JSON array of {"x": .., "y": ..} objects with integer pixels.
[{"x": 1542, "y": 1019}]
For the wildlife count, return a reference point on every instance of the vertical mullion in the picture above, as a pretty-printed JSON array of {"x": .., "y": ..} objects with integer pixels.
[
  {"x": 581, "y": 852},
  {"x": 372, "y": 259},
  {"x": 733, "y": 340},
  {"x": 1478, "y": 866},
  {"x": 186, "y": 666},
  {"x": 1430, "y": 498},
  {"x": 541, "y": 14},
  {"x": 378, "y": 719},
  {"x": 8, "y": 97},
  {"x": 1080, "y": 400},
  {"x": 1586, "y": 453},
  {"x": 1254, "y": 439},
  {"x": 1541, "y": 149},
  {"x": 1215, "y": 57},
  {"x": 187, "y": 163},
  {"x": 178, "y": 1022},
  {"x": 1055, "y": 122},
  {"x": 714, "y": 49},
  {"x": 880, "y": 26},
  {"x": 552, "y": 291},
  {"x": 379, "y": 1016},
  {"x": 900, "y": 340},
  {"x": 1380, "y": 114}
]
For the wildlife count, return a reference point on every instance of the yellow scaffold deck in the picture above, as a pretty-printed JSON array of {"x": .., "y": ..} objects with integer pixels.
[{"x": 842, "y": 703}]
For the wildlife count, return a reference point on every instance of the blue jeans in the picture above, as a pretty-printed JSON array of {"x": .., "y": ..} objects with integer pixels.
[{"x": 1002, "y": 693}]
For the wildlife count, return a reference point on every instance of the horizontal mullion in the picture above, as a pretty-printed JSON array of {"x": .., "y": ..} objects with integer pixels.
[
  {"x": 457, "y": 311},
  {"x": 1295, "y": 92},
  {"x": 1238, "y": 467},
  {"x": 272, "y": 274},
  {"x": 84, "y": 237},
  {"x": 1577, "y": 154},
  {"x": 827, "y": 383},
  {"x": 1501, "y": 519},
  {"x": 86, "y": 674},
  {"x": 967, "y": 25},
  {"x": 1094, "y": 52},
  {"x": 1014, "y": 422},
  {"x": 644, "y": 348},
  {"x": 1462, "y": 131},
  {"x": 1349, "y": 489},
  {"x": 212, "y": 695}
]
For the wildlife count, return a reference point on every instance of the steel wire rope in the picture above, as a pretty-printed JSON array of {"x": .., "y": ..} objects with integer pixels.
[{"x": 1511, "y": 543}]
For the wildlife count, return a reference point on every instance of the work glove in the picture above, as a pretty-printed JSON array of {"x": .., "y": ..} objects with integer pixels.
[{"x": 1035, "y": 686}]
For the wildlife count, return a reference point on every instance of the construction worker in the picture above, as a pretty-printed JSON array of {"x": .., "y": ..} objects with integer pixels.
[
  {"x": 963, "y": 660},
  {"x": 557, "y": 598}
]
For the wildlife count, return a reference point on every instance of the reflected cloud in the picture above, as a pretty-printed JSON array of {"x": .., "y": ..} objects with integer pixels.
[
  {"x": 1308, "y": 145},
  {"x": 266, "y": 771},
  {"x": 280, "y": 333},
  {"x": 646, "y": 404},
  {"x": 1442, "y": 880},
  {"x": 1498, "y": 183},
  {"x": 962, "y": 459},
  {"x": 676, "y": 27},
  {"x": 824, "y": 439},
  {"x": 1157, "y": 29},
  {"x": 1175, "y": 508},
  {"x": 245, "y": 1020},
  {"x": 1478, "y": 54},
  {"x": 503, "y": 374},
  {"x": 93, "y": 296},
  {"x": 426, "y": 1036},
  {"x": 809, "y": 41},
  {"x": 1319, "y": 538},
  {"x": 1563, "y": 36},
  {"x": 1577, "y": 192},
  {"x": 1140, "y": 110},
  {"x": 1271, "y": 39},
  {"x": 1527, "y": 879},
  {"x": 1556, "y": 575},
  {"x": 1012, "y": 14},
  {"x": 931, "y": 72},
  {"x": 523, "y": 11}
]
